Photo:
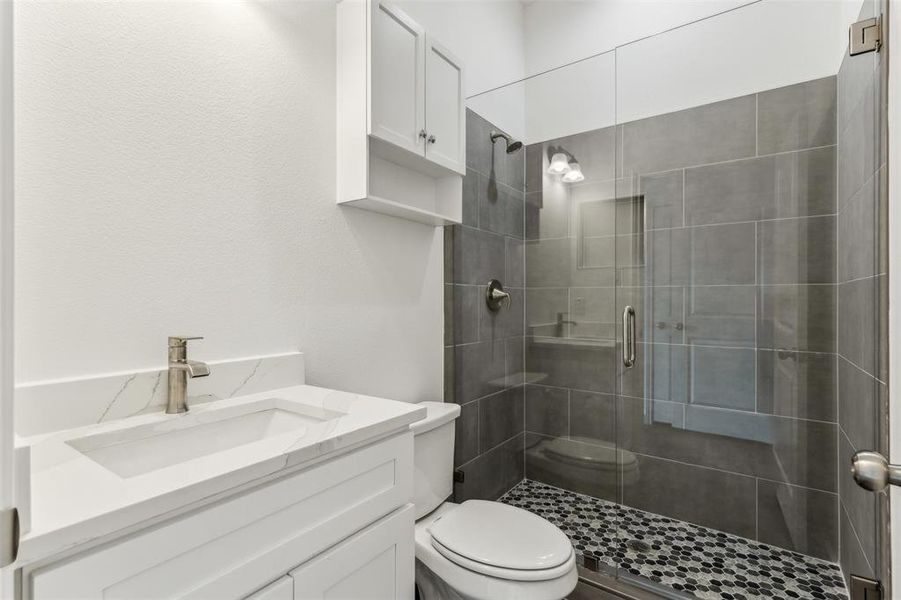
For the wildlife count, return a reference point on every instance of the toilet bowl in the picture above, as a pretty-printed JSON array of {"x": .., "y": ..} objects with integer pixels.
[{"x": 478, "y": 550}]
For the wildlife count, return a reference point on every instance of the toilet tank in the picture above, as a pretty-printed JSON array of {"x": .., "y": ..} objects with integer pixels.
[{"x": 433, "y": 456}]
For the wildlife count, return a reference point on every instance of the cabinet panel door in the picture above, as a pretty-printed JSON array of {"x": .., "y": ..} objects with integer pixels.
[
  {"x": 445, "y": 109},
  {"x": 398, "y": 77},
  {"x": 374, "y": 564},
  {"x": 283, "y": 589}
]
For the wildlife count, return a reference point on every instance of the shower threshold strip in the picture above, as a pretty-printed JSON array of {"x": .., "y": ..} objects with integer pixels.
[{"x": 702, "y": 562}]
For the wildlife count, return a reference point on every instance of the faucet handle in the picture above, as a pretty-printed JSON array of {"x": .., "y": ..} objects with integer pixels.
[{"x": 177, "y": 341}]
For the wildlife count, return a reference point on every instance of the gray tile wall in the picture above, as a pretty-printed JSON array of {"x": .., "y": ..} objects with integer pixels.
[
  {"x": 719, "y": 225},
  {"x": 862, "y": 309},
  {"x": 484, "y": 350}
]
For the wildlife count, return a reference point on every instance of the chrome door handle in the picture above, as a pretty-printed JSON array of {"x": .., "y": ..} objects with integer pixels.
[
  {"x": 628, "y": 336},
  {"x": 873, "y": 472}
]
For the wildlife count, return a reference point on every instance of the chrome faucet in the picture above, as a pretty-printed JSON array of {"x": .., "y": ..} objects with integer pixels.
[{"x": 180, "y": 369}]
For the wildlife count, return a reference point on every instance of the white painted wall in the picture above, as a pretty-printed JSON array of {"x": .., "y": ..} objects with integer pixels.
[
  {"x": 758, "y": 46},
  {"x": 487, "y": 35},
  {"x": 175, "y": 175},
  {"x": 559, "y": 32}
]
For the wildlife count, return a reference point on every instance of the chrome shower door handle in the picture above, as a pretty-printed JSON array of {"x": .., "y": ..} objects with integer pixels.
[
  {"x": 873, "y": 472},
  {"x": 628, "y": 336}
]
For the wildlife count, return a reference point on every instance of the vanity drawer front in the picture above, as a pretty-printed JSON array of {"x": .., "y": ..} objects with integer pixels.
[{"x": 231, "y": 548}]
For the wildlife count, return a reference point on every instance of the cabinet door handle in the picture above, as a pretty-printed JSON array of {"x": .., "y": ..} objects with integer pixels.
[
  {"x": 423, "y": 134},
  {"x": 628, "y": 336},
  {"x": 432, "y": 139}
]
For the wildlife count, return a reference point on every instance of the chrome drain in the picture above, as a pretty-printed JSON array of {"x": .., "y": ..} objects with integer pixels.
[{"x": 638, "y": 546}]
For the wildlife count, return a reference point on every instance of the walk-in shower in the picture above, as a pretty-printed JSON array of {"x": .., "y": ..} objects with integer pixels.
[{"x": 730, "y": 190}]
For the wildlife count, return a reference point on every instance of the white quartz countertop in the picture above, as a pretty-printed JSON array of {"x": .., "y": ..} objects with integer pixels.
[{"x": 75, "y": 500}]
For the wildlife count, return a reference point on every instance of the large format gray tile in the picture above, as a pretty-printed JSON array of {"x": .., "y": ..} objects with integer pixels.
[
  {"x": 799, "y": 519},
  {"x": 858, "y": 235},
  {"x": 535, "y": 161},
  {"x": 859, "y": 503},
  {"x": 786, "y": 185},
  {"x": 858, "y": 322},
  {"x": 797, "y": 116},
  {"x": 797, "y": 250},
  {"x": 479, "y": 370},
  {"x": 490, "y": 475},
  {"x": 708, "y": 255},
  {"x": 593, "y": 416},
  {"x": 796, "y": 317},
  {"x": 471, "y": 198},
  {"x": 858, "y": 145},
  {"x": 556, "y": 263},
  {"x": 547, "y": 410},
  {"x": 516, "y": 361},
  {"x": 545, "y": 308},
  {"x": 797, "y": 384},
  {"x": 515, "y": 272},
  {"x": 500, "y": 208},
  {"x": 723, "y": 377},
  {"x": 776, "y": 448},
  {"x": 466, "y": 433},
  {"x": 660, "y": 372},
  {"x": 859, "y": 398},
  {"x": 666, "y": 313},
  {"x": 661, "y": 194},
  {"x": 500, "y": 417},
  {"x": 576, "y": 364},
  {"x": 592, "y": 312},
  {"x": 593, "y": 208},
  {"x": 561, "y": 462},
  {"x": 684, "y": 492},
  {"x": 448, "y": 315},
  {"x": 479, "y": 256},
  {"x": 465, "y": 313},
  {"x": 721, "y": 315},
  {"x": 852, "y": 559},
  {"x": 710, "y": 133}
]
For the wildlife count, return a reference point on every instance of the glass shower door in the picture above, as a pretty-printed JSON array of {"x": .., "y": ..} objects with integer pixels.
[{"x": 732, "y": 256}]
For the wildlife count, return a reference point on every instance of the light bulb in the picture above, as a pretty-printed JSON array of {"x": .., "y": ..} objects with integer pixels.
[
  {"x": 559, "y": 164},
  {"x": 574, "y": 174}
]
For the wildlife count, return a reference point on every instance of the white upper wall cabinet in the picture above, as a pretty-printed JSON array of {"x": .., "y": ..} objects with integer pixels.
[
  {"x": 445, "y": 110},
  {"x": 401, "y": 116},
  {"x": 398, "y": 78}
]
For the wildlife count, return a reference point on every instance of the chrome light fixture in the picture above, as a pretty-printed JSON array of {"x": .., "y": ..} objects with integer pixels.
[
  {"x": 559, "y": 164},
  {"x": 574, "y": 175}
]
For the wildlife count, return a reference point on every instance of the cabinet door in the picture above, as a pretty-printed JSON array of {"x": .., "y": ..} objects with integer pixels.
[
  {"x": 283, "y": 589},
  {"x": 374, "y": 564},
  {"x": 398, "y": 78},
  {"x": 445, "y": 109}
]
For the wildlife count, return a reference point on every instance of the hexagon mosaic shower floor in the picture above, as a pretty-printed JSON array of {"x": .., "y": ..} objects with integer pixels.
[{"x": 702, "y": 562}]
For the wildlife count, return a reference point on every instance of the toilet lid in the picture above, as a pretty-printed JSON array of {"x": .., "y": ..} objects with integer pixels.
[{"x": 501, "y": 536}]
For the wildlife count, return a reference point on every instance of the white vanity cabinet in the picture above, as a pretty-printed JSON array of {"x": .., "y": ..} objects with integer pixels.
[
  {"x": 401, "y": 116},
  {"x": 342, "y": 524}
]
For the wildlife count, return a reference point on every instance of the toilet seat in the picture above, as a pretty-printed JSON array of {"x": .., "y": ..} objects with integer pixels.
[
  {"x": 500, "y": 572},
  {"x": 472, "y": 584},
  {"x": 500, "y": 540}
]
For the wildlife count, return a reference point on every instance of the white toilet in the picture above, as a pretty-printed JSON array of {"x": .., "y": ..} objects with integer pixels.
[{"x": 478, "y": 550}]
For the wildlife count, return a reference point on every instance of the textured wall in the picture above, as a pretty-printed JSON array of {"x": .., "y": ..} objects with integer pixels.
[
  {"x": 862, "y": 302},
  {"x": 175, "y": 175},
  {"x": 483, "y": 349},
  {"x": 717, "y": 223}
]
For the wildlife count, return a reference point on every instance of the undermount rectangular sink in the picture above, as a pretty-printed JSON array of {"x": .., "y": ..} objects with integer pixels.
[{"x": 145, "y": 448}]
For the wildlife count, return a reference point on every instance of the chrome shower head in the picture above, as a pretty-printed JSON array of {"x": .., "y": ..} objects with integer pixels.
[{"x": 512, "y": 145}]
